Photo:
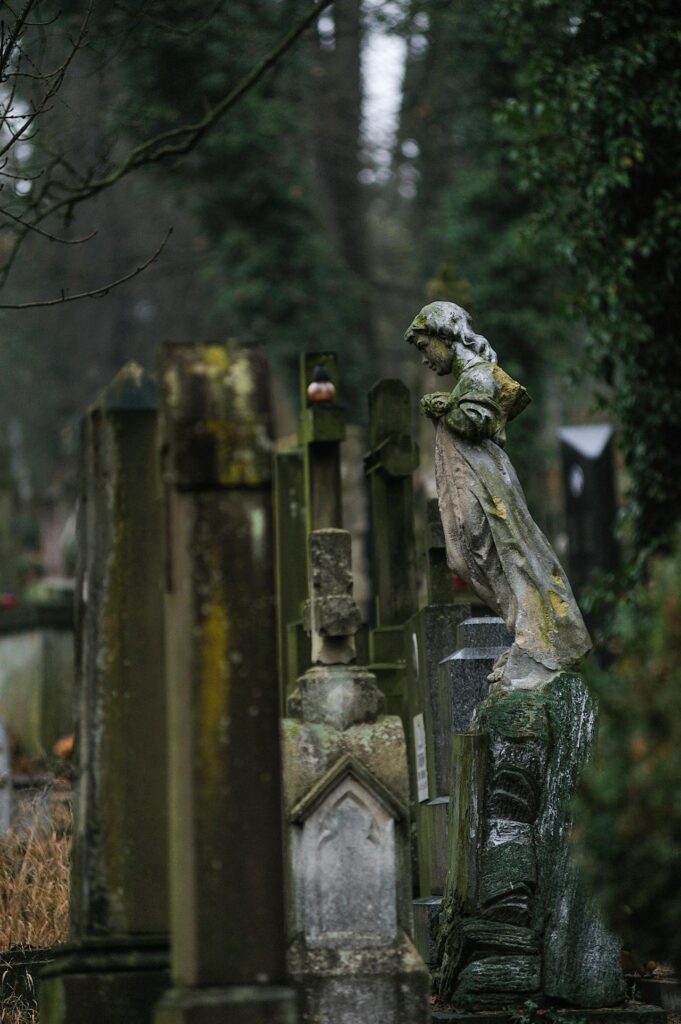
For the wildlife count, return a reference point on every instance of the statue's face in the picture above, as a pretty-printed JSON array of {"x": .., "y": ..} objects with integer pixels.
[{"x": 436, "y": 354}]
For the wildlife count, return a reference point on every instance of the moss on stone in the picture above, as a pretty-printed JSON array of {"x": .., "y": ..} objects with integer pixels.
[{"x": 515, "y": 714}]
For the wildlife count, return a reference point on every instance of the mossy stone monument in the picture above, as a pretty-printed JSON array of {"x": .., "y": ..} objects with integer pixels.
[
  {"x": 115, "y": 964},
  {"x": 517, "y": 922},
  {"x": 346, "y": 798}
]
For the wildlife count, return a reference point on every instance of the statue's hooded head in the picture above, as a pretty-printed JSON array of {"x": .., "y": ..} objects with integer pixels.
[{"x": 452, "y": 324}]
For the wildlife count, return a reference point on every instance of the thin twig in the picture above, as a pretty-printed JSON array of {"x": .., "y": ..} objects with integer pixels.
[
  {"x": 40, "y": 231},
  {"x": 179, "y": 141},
  {"x": 93, "y": 293}
]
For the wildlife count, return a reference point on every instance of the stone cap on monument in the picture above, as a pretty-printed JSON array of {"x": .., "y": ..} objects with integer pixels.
[
  {"x": 216, "y": 418},
  {"x": 131, "y": 389}
]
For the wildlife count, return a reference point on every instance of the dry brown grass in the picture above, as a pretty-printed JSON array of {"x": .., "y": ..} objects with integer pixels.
[
  {"x": 34, "y": 896},
  {"x": 15, "y": 1011},
  {"x": 34, "y": 888}
]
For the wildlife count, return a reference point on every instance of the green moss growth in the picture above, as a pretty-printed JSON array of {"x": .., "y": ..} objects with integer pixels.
[{"x": 515, "y": 714}]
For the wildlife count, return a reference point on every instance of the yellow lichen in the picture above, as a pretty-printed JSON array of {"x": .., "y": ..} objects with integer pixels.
[
  {"x": 559, "y": 604},
  {"x": 214, "y": 693},
  {"x": 499, "y": 507}
]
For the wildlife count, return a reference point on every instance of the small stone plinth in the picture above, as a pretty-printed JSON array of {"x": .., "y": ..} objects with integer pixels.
[
  {"x": 105, "y": 981},
  {"x": 628, "y": 1013},
  {"x": 664, "y": 992}
]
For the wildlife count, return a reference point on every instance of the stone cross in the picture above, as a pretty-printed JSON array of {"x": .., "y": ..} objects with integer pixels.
[{"x": 332, "y": 616}]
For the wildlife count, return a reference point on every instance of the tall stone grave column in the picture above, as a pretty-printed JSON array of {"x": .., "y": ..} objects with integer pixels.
[
  {"x": 115, "y": 965},
  {"x": 346, "y": 801},
  {"x": 226, "y": 868},
  {"x": 429, "y": 637},
  {"x": 392, "y": 458}
]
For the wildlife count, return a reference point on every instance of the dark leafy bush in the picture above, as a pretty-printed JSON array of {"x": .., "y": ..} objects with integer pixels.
[{"x": 629, "y": 813}]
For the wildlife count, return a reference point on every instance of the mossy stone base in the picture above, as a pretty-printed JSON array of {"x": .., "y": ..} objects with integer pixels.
[
  {"x": 495, "y": 976},
  {"x": 629, "y": 1013},
  {"x": 238, "y": 1004},
  {"x": 511, "y": 864},
  {"x": 103, "y": 984}
]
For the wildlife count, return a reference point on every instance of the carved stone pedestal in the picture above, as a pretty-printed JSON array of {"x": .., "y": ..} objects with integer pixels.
[
  {"x": 518, "y": 922},
  {"x": 105, "y": 981}
]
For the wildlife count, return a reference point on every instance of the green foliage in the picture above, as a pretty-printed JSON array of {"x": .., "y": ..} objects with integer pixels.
[
  {"x": 595, "y": 128},
  {"x": 475, "y": 238},
  {"x": 277, "y": 275},
  {"x": 629, "y": 812}
]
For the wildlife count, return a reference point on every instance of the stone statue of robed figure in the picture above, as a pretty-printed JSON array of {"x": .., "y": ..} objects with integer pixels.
[
  {"x": 517, "y": 921},
  {"x": 492, "y": 541}
]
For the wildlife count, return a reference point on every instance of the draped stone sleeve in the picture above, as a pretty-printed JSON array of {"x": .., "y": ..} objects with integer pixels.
[
  {"x": 475, "y": 416},
  {"x": 491, "y": 539}
]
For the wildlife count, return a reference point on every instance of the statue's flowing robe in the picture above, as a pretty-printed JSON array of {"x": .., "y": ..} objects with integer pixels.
[{"x": 492, "y": 541}]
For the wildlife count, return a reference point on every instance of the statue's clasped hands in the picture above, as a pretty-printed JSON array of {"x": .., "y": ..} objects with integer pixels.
[{"x": 437, "y": 404}]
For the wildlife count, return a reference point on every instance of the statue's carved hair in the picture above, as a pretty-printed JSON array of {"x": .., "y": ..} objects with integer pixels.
[{"x": 452, "y": 324}]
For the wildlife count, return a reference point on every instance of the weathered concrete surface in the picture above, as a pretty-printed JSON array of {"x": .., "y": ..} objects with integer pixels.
[
  {"x": 119, "y": 883},
  {"x": 428, "y": 638},
  {"x": 256, "y": 1004}
]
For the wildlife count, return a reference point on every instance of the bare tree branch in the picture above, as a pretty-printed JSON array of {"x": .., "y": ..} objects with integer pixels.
[
  {"x": 93, "y": 293},
  {"x": 179, "y": 141},
  {"x": 45, "y": 234},
  {"x": 61, "y": 196}
]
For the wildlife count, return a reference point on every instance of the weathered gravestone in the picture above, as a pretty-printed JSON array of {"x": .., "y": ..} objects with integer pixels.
[
  {"x": 516, "y": 921},
  {"x": 115, "y": 965},
  {"x": 226, "y": 864},
  {"x": 346, "y": 802}
]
